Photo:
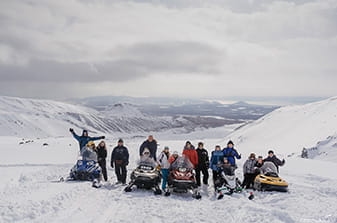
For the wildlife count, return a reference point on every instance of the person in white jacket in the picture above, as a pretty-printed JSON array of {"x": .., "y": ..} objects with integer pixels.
[{"x": 164, "y": 165}]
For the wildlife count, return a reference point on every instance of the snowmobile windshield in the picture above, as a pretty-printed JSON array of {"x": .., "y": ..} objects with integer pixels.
[
  {"x": 147, "y": 161},
  {"x": 182, "y": 162},
  {"x": 228, "y": 170},
  {"x": 268, "y": 167},
  {"x": 88, "y": 154}
]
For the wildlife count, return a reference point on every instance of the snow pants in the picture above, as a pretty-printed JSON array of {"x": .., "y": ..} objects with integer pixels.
[{"x": 164, "y": 173}]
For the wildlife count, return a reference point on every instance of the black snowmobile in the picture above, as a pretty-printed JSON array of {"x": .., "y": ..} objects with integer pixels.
[{"x": 145, "y": 176}]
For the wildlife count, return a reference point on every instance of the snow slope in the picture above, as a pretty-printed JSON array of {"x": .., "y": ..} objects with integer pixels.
[
  {"x": 289, "y": 129},
  {"x": 42, "y": 118},
  {"x": 29, "y": 191}
]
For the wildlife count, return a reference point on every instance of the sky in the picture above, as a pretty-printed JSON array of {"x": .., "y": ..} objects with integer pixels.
[{"x": 168, "y": 48}]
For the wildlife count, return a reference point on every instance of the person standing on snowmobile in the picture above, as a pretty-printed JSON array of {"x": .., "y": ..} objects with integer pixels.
[
  {"x": 249, "y": 171},
  {"x": 231, "y": 153},
  {"x": 203, "y": 164},
  {"x": 272, "y": 158},
  {"x": 190, "y": 153},
  {"x": 101, "y": 157},
  {"x": 119, "y": 160},
  {"x": 216, "y": 159},
  {"x": 151, "y": 144},
  {"x": 84, "y": 138},
  {"x": 164, "y": 165}
]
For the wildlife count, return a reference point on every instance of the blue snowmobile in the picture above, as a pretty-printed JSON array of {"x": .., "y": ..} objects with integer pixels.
[{"x": 87, "y": 168}]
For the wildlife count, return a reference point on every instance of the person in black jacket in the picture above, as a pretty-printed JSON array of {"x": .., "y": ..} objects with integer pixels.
[
  {"x": 120, "y": 159},
  {"x": 272, "y": 158},
  {"x": 101, "y": 158},
  {"x": 151, "y": 144},
  {"x": 203, "y": 164}
]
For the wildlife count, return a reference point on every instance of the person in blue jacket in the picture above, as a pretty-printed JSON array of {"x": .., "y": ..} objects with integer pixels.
[
  {"x": 231, "y": 153},
  {"x": 84, "y": 138},
  {"x": 216, "y": 161}
]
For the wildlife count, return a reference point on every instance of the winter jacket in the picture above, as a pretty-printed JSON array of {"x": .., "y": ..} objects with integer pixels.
[
  {"x": 83, "y": 140},
  {"x": 172, "y": 159},
  {"x": 163, "y": 160},
  {"x": 152, "y": 146},
  {"x": 120, "y": 154},
  {"x": 203, "y": 160},
  {"x": 192, "y": 155},
  {"x": 101, "y": 153},
  {"x": 216, "y": 158},
  {"x": 231, "y": 153},
  {"x": 274, "y": 160},
  {"x": 249, "y": 166}
]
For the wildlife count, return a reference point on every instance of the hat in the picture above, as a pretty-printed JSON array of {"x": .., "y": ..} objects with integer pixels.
[
  {"x": 260, "y": 157},
  {"x": 230, "y": 142},
  {"x": 84, "y": 131},
  {"x": 120, "y": 140},
  {"x": 175, "y": 153},
  {"x": 270, "y": 151},
  {"x": 200, "y": 143},
  {"x": 166, "y": 147},
  {"x": 90, "y": 143},
  {"x": 188, "y": 142}
]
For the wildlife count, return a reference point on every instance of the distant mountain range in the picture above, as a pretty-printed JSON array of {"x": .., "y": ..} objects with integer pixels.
[
  {"x": 236, "y": 112},
  {"x": 32, "y": 117}
]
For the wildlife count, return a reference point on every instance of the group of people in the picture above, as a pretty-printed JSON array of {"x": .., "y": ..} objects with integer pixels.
[{"x": 198, "y": 157}]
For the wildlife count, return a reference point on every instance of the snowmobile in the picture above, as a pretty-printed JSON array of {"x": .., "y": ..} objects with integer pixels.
[
  {"x": 227, "y": 182},
  {"x": 182, "y": 179},
  {"x": 86, "y": 168},
  {"x": 268, "y": 179},
  {"x": 145, "y": 176}
]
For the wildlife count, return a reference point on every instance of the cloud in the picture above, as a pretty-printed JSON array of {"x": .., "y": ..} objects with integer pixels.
[
  {"x": 132, "y": 62},
  {"x": 221, "y": 42}
]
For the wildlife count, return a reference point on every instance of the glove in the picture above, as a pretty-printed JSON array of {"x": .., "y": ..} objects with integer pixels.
[
  {"x": 283, "y": 161},
  {"x": 71, "y": 130},
  {"x": 126, "y": 163},
  {"x": 103, "y": 137}
]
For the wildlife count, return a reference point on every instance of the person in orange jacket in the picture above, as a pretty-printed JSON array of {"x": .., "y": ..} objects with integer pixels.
[{"x": 191, "y": 153}]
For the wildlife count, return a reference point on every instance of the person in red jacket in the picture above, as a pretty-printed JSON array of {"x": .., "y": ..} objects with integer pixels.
[{"x": 191, "y": 153}]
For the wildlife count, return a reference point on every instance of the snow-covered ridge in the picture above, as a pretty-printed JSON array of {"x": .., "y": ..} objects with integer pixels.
[
  {"x": 33, "y": 117},
  {"x": 289, "y": 129},
  {"x": 43, "y": 118}
]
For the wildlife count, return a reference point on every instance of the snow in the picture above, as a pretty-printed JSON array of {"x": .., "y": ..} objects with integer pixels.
[
  {"x": 324, "y": 150},
  {"x": 30, "y": 191},
  {"x": 289, "y": 129}
]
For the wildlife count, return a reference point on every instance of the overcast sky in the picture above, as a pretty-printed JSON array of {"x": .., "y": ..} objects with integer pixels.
[{"x": 179, "y": 48}]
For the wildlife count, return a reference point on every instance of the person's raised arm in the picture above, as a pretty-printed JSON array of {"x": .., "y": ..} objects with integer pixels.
[
  {"x": 77, "y": 137},
  {"x": 97, "y": 138}
]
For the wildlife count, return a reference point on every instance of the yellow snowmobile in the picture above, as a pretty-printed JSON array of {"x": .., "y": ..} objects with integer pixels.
[{"x": 269, "y": 180}]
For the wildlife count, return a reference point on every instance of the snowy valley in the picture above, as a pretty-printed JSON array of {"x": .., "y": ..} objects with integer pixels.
[{"x": 38, "y": 150}]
